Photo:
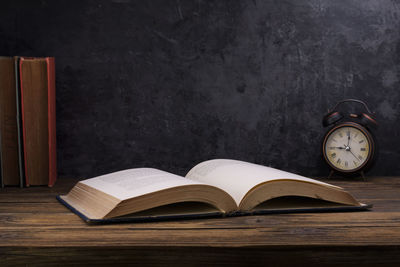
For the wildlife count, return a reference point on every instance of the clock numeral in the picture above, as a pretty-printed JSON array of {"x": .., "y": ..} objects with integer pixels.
[
  {"x": 334, "y": 140},
  {"x": 362, "y": 141},
  {"x": 338, "y": 161},
  {"x": 355, "y": 135},
  {"x": 333, "y": 155},
  {"x": 362, "y": 149},
  {"x": 331, "y": 147},
  {"x": 360, "y": 157},
  {"x": 346, "y": 163},
  {"x": 348, "y": 133},
  {"x": 355, "y": 163},
  {"x": 340, "y": 134}
]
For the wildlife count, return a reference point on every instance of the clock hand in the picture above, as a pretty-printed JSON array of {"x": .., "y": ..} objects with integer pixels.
[
  {"x": 349, "y": 149},
  {"x": 354, "y": 155},
  {"x": 348, "y": 139}
]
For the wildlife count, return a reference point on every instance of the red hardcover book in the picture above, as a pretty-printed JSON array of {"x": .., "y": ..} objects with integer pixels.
[{"x": 37, "y": 83}]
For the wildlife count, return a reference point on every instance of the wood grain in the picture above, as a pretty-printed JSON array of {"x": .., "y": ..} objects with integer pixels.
[{"x": 34, "y": 227}]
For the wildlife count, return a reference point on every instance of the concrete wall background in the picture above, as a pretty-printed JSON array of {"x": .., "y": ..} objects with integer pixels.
[{"x": 168, "y": 84}]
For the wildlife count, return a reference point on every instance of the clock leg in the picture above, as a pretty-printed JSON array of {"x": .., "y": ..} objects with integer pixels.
[
  {"x": 363, "y": 176},
  {"x": 330, "y": 174}
]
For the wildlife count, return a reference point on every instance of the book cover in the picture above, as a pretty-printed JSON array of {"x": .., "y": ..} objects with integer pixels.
[
  {"x": 211, "y": 214},
  {"x": 219, "y": 187},
  {"x": 37, "y": 88},
  {"x": 8, "y": 123}
]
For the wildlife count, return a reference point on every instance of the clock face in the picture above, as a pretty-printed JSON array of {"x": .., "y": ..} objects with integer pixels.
[{"x": 347, "y": 148}]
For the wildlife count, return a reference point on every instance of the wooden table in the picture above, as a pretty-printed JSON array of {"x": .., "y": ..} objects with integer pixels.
[{"x": 36, "y": 229}]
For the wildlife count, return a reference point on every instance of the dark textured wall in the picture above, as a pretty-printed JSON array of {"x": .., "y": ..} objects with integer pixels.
[{"x": 168, "y": 84}]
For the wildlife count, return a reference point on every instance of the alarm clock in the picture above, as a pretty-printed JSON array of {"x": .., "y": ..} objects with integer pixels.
[{"x": 349, "y": 146}]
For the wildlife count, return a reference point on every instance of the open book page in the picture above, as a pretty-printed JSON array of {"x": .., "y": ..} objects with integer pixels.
[
  {"x": 136, "y": 182},
  {"x": 238, "y": 177}
]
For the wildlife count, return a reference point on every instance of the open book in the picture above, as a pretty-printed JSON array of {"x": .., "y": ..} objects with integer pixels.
[{"x": 218, "y": 187}]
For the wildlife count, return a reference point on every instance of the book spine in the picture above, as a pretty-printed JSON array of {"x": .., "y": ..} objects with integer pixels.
[
  {"x": 19, "y": 123},
  {"x": 52, "y": 120},
  {"x": 8, "y": 127},
  {"x": 1, "y": 148},
  {"x": 1, "y": 160},
  {"x": 1, "y": 155},
  {"x": 21, "y": 62}
]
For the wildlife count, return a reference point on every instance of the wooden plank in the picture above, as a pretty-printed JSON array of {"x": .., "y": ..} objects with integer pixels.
[
  {"x": 289, "y": 229},
  {"x": 21, "y": 207},
  {"x": 201, "y": 256},
  {"x": 265, "y": 237},
  {"x": 68, "y": 219},
  {"x": 34, "y": 227}
]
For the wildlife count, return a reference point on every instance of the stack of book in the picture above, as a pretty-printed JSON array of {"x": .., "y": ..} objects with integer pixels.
[{"x": 27, "y": 121}]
